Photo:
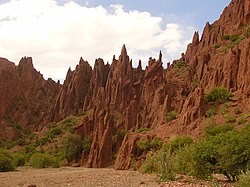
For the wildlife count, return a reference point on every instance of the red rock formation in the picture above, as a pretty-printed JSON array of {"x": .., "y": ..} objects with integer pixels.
[
  {"x": 25, "y": 98},
  {"x": 119, "y": 98}
]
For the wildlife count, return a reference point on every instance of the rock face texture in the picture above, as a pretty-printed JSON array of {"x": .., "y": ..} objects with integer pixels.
[
  {"x": 120, "y": 99},
  {"x": 25, "y": 98}
]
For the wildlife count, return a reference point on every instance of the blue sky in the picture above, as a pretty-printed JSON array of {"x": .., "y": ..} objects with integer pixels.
[
  {"x": 56, "y": 33},
  {"x": 191, "y": 12}
]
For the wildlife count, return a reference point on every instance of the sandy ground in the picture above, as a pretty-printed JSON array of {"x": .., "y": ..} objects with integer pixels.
[
  {"x": 86, "y": 177},
  {"x": 75, "y": 177}
]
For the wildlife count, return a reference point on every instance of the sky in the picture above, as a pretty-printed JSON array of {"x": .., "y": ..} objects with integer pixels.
[{"x": 56, "y": 33}]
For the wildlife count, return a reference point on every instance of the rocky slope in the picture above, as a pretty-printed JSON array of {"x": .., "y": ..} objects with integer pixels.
[
  {"x": 25, "y": 98},
  {"x": 119, "y": 99}
]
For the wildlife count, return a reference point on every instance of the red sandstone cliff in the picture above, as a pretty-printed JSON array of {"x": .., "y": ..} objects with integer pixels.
[
  {"x": 120, "y": 98},
  {"x": 25, "y": 98}
]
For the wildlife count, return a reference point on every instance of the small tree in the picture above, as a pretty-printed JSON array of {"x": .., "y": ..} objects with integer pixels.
[
  {"x": 73, "y": 147},
  {"x": 218, "y": 95}
]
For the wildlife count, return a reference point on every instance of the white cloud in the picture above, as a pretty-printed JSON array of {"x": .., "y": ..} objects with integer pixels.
[{"x": 57, "y": 35}]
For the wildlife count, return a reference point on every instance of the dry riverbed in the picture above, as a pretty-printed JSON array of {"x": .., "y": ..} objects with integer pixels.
[
  {"x": 85, "y": 177},
  {"x": 74, "y": 177}
]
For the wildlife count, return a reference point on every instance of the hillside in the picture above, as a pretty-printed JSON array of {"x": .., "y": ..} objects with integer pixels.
[{"x": 117, "y": 105}]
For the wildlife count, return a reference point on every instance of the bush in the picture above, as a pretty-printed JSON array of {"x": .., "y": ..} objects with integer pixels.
[
  {"x": 43, "y": 160},
  {"x": 170, "y": 116},
  {"x": 143, "y": 144},
  {"x": 143, "y": 129},
  {"x": 212, "y": 130},
  {"x": 160, "y": 162},
  {"x": 218, "y": 95},
  {"x": 73, "y": 147},
  {"x": 179, "y": 142},
  {"x": 19, "y": 159},
  {"x": 229, "y": 118},
  {"x": 7, "y": 162},
  {"x": 54, "y": 132},
  {"x": 210, "y": 112},
  {"x": 237, "y": 110},
  {"x": 181, "y": 64},
  {"x": 21, "y": 142},
  {"x": 244, "y": 180},
  {"x": 123, "y": 133},
  {"x": 242, "y": 119}
]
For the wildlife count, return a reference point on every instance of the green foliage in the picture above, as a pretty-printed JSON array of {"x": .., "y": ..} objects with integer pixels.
[
  {"x": 73, "y": 146},
  {"x": 212, "y": 130},
  {"x": 54, "y": 132},
  {"x": 216, "y": 46},
  {"x": 170, "y": 116},
  {"x": 244, "y": 180},
  {"x": 143, "y": 144},
  {"x": 117, "y": 116},
  {"x": 156, "y": 143},
  {"x": 181, "y": 64},
  {"x": 195, "y": 82},
  {"x": 210, "y": 112},
  {"x": 178, "y": 142},
  {"x": 218, "y": 95},
  {"x": 237, "y": 110},
  {"x": 7, "y": 162},
  {"x": 81, "y": 113},
  {"x": 160, "y": 162},
  {"x": 123, "y": 133},
  {"x": 229, "y": 118},
  {"x": 21, "y": 142},
  {"x": 43, "y": 160},
  {"x": 223, "y": 150},
  {"x": 163, "y": 160},
  {"x": 69, "y": 122},
  {"x": 42, "y": 141},
  {"x": 19, "y": 159},
  {"x": 242, "y": 119},
  {"x": 143, "y": 129}
]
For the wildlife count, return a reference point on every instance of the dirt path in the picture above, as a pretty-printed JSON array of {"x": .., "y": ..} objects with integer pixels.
[{"x": 75, "y": 177}]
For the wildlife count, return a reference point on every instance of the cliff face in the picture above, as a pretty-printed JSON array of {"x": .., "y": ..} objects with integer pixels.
[
  {"x": 119, "y": 98},
  {"x": 25, "y": 98}
]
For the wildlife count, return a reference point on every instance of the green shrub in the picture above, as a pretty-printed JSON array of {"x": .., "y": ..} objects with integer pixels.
[
  {"x": 43, "y": 160},
  {"x": 7, "y": 162},
  {"x": 212, "y": 130},
  {"x": 218, "y": 95},
  {"x": 81, "y": 113},
  {"x": 143, "y": 129},
  {"x": 42, "y": 141},
  {"x": 237, "y": 110},
  {"x": 117, "y": 116},
  {"x": 181, "y": 64},
  {"x": 123, "y": 133},
  {"x": 21, "y": 142},
  {"x": 54, "y": 132},
  {"x": 143, "y": 144},
  {"x": 19, "y": 159},
  {"x": 156, "y": 143},
  {"x": 160, "y": 162},
  {"x": 244, "y": 180},
  {"x": 242, "y": 119},
  {"x": 210, "y": 112},
  {"x": 170, "y": 116},
  {"x": 178, "y": 142},
  {"x": 70, "y": 122},
  {"x": 216, "y": 46},
  {"x": 183, "y": 160},
  {"x": 229, "y": 118},
  {"x": 73, "y": 147}
]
